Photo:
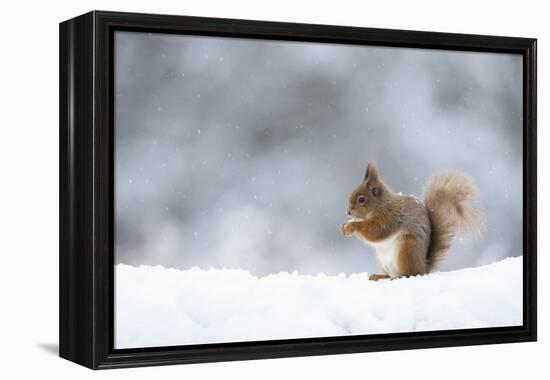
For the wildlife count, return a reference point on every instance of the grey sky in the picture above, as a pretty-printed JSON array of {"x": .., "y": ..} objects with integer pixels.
[{"x": 241, "y": 153}]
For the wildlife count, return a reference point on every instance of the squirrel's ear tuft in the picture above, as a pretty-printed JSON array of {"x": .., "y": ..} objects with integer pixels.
[
  {"x": 375, "y": 190},
  {"x": 371, "y": 173}
]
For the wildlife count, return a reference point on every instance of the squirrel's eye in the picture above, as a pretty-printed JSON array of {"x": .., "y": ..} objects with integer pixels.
[{"x": 361, "y": 199}]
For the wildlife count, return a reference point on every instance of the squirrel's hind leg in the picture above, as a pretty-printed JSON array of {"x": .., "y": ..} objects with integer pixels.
[
  {"x": 376, "y": 277},
  {"x": 410, "y": 257}
]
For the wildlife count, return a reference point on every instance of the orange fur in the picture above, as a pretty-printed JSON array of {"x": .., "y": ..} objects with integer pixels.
[{"x": 410, "y": 258}]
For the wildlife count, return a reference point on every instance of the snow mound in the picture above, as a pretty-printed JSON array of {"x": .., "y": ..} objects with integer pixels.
[{"x": 155, "y": 306}]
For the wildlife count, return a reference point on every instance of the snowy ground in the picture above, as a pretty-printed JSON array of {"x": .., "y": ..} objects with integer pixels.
[{"x": 158, "y": 307}]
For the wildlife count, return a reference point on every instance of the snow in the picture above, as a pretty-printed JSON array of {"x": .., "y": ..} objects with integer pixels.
[{"x": 155, "y": 306}]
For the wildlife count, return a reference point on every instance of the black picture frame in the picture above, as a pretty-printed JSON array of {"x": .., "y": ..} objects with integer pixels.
[{"x": 86, "y": 190}]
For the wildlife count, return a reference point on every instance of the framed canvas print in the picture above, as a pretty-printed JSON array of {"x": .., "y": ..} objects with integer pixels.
[{"x": 236, "y": 189}]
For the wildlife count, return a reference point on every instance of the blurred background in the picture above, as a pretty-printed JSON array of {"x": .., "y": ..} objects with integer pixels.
[{"x": 241, "y": 153}]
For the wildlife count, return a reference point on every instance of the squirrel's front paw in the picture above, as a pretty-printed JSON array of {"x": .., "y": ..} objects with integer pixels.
[{"x": 347, "y": 228}]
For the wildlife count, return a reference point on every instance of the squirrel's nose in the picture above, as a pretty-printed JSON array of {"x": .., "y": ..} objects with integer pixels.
[{"x": 348, "y": 212}]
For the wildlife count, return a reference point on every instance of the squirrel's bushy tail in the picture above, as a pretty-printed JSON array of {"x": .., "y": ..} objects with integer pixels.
[{"x": 449, "y": 198}]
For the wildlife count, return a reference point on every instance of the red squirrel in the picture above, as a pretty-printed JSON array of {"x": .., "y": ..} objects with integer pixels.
[{"x": 411, "y": 237}]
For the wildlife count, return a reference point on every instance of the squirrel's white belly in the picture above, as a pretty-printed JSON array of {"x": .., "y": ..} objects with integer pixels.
[{"x": 386, "y": 254}]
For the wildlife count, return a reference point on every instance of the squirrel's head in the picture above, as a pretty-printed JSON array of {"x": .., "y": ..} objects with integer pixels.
[{"x": 368, "y": 195}]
